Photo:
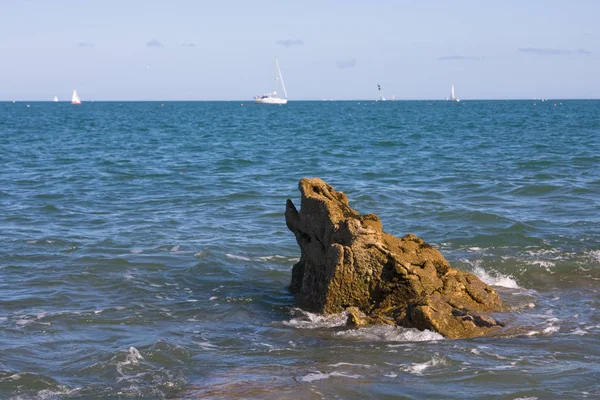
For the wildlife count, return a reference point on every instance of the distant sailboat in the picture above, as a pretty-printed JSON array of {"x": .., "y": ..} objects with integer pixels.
[
  {"x": 272, "y": 98},
  {"x": 75, "y": 99},
  {"x": 55, "y": 99},
  {"x": 381, "y": 98},
  {"x": 452, "y": 96}
]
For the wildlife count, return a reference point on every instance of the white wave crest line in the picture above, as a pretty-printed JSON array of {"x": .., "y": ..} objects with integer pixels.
[
  {"x": 346, "y": 364},
  {"x": 236, "y": 257},
  {"x": 387, "y": 333},
  {"x": 497, "y": 279},
  {"x": 419, "y": 368},
  {"x": 317, "y": 376}
]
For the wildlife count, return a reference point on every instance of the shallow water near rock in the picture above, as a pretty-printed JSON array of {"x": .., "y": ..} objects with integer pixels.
[{"x": 145, "y": 252}]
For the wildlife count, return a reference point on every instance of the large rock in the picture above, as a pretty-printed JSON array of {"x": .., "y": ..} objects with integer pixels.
[{"x": 348, "y": 263}]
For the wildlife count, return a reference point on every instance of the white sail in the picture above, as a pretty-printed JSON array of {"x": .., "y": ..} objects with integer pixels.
[
  {"x": 75, "y": 99},
  {"x": 381, "y": 98},
  {"x": 272, "y": 98},
  {"x": 55, "y": 99},
  {"x": 452, "y": 96}
]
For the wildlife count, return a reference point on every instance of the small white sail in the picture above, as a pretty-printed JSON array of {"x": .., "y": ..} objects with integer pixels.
[
  {"x": 381, "y": 98},
  {"x": 452, "y": 96},
  {"x": 75, "y": 99},
  {"x": 55, "y": 99}
]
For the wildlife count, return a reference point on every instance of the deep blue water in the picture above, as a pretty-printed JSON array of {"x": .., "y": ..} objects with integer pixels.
[{"x": 144, "y": 251}]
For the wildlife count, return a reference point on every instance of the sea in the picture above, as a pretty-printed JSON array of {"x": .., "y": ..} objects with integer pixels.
[{"x": 144, "y": 252}]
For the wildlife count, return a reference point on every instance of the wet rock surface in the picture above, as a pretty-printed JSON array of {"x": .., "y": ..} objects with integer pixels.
[{"x": 349, "y": 263}]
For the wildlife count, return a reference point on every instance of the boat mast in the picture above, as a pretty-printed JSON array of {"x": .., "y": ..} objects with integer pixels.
[
  {"x": 279, "y": 76},
  {"x": 452, "y": 93}
]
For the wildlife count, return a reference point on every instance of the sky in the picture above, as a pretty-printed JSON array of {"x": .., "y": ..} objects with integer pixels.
[{"x": 223, "y": 50}]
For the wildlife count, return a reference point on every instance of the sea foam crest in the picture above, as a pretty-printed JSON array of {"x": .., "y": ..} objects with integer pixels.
[
  {"x": 496, "y": 279},
  {"x": 308, "y": 320},
  {"x": 419, "y": 368},
  {"x": 388, "y": 333},
  {"x": 133, "y": 357},
  {"x": 595, "y": 254},
  {"x": 317, "y": 376}
]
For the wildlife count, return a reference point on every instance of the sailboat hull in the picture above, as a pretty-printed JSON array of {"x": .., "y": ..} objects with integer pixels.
[{"x": 271, "y": 100}]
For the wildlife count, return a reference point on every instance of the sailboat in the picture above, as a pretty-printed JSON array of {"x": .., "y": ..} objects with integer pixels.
[
  {"x": 75, "y": 99},
  {"x": 272, "y": 98},
  {"x": 55, "y": 99},
  {"x": 452, "y": 96},
  {"x": 381, "y": 98}
]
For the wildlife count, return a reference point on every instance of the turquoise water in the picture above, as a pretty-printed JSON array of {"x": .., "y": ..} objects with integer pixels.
[{"x": 144, "y": 251}]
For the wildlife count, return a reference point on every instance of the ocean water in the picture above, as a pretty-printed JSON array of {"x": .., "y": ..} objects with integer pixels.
[{"x": 144, "y": 251}]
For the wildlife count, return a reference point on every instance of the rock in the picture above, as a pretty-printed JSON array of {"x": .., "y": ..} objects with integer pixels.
[{"x": 348, "y": 263}]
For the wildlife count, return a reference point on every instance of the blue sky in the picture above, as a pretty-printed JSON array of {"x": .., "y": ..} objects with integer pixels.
[{"x": 223, "y": 50}]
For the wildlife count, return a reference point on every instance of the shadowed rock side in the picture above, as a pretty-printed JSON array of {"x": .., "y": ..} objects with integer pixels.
[{"x": 348, "y": 263}]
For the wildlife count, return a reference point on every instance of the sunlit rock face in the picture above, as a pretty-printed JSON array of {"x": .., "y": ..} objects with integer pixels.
[{"x": 347, "y": 262}]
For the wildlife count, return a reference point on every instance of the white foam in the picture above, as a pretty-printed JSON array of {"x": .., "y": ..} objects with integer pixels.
[
  {"x": 550, "y": 329},
  {"x": 547, "y": 265},
  {"x": 342, "y": 364},
  {"x": 274, "y": 257},
  {"x": 308, "y": 320},
  {"x": 136, "y": 251},
  {"x": 595, "y": 254},
  {"x": 206, "y": 345},
  {"x": 213, "y": 298},
  {"x": 133, "y": 358},
  {"x": 235, "y": 257},
  {"x": 389, "y": 333},
  {"x": 47, "y": 394},
  {"x": 525, "y": 398},
  {"x": 497, "y": 279},
  {"x": 579, "y": 332},
  {"x": 419, "y": 368},
  {"x": 317, "y": 376}
]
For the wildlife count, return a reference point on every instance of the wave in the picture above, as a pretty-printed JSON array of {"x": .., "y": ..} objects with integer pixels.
[
  {"x": 389, "y": 333},
  {"x": 496, "y": 279},
  {"x": 420, "y": 368},
  {"x": 307, "y": 320},
  {"x": 317, "y": 376},
  {"x": 376, "y": 333}
]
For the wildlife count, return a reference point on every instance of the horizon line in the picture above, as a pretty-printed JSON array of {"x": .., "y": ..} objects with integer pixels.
[{"x": 304, "y": 100}]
